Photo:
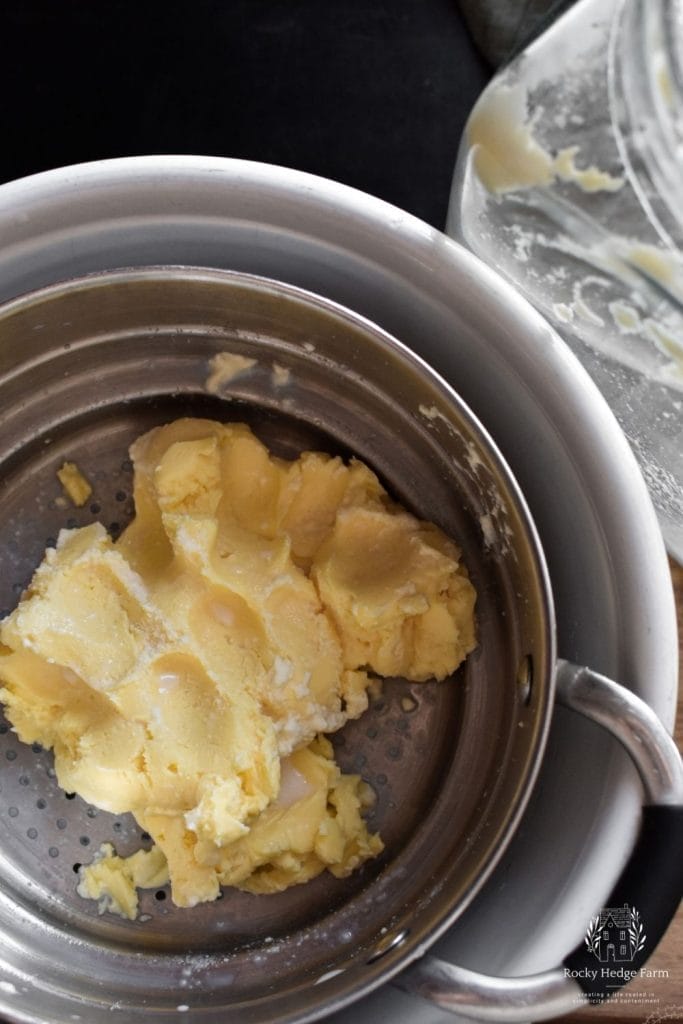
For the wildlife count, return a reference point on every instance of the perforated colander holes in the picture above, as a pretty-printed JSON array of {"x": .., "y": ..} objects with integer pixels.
[
  {"x": 10, "y": 754},
  {"x": 33, "y": 795},
  {"x": 390, "y": 728},
  {"x": 121, "y": 503},
  {"x": 111, "y": 503}
]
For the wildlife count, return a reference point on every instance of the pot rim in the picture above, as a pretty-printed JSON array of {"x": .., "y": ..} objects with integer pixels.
[
  {"x": 85, "y": 201},
  {"x": 395, "y": 949}
]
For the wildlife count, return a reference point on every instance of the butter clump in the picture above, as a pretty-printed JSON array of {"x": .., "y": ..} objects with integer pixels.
[
  {"x": 75, "y": 484},
  {"x": 188, "y": 672},
  {"x": 508, "y": 157}
]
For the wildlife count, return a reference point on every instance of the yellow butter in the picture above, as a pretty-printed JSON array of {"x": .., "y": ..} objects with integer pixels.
[
  {"x": 113, "y": 881},
  {"x": 75, "y": 484},
  {"x": 187, "y": 672}
]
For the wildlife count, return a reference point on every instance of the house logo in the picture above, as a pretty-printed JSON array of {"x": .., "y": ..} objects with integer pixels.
[{"x": 615, "y": 935}]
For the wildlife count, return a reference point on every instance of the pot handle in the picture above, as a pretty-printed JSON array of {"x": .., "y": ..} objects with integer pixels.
[{"x": 658, "y": 854}]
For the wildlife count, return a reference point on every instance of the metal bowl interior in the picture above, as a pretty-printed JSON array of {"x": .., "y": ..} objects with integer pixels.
[{"x": 87, "y": 366}]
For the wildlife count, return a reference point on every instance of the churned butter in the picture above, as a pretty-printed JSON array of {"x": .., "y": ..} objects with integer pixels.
[{"x": 187, "y": 672}]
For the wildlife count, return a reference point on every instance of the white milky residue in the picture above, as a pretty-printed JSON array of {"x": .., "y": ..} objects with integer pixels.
[
  {"x": 626, "y": 318},
  {"x": 488, "y": 529},
  {"x": 563, "y": 312},
  {"x": 474, "y": 459},
  {"x": 224, "y": 367},
  {"x": 280, "y": 375},
  {"x": 282, "y": 670},
  {"x": 434, "y": 415}
]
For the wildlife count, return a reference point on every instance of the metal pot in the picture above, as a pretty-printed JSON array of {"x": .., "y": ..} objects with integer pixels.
[{"x": 86, "y": 366}]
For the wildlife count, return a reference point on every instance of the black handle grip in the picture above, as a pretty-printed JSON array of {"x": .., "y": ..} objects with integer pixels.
[{"x": 623, "y": 935}]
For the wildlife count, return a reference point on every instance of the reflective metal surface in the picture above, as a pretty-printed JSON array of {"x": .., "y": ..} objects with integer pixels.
[
  {"x": 555, "y": 993},
  {"x": 500, "y": 1000},
  {"x": 87, "y": 367},
  {"x": 634, "y": 724},
  {"x": 607, "y": 563}
]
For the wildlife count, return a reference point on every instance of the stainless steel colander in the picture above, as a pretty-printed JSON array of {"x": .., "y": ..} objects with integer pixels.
[{"x": 87, "y": 366}]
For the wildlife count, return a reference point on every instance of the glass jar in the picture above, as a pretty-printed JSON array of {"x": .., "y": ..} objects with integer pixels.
[{"x": 569, "y": 181}]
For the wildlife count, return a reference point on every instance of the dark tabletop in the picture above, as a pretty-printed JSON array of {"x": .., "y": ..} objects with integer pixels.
[{"x": 373, "y": 94}]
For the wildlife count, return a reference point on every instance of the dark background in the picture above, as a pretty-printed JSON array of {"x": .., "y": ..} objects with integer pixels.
[{"x": 372, "y": 94}]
